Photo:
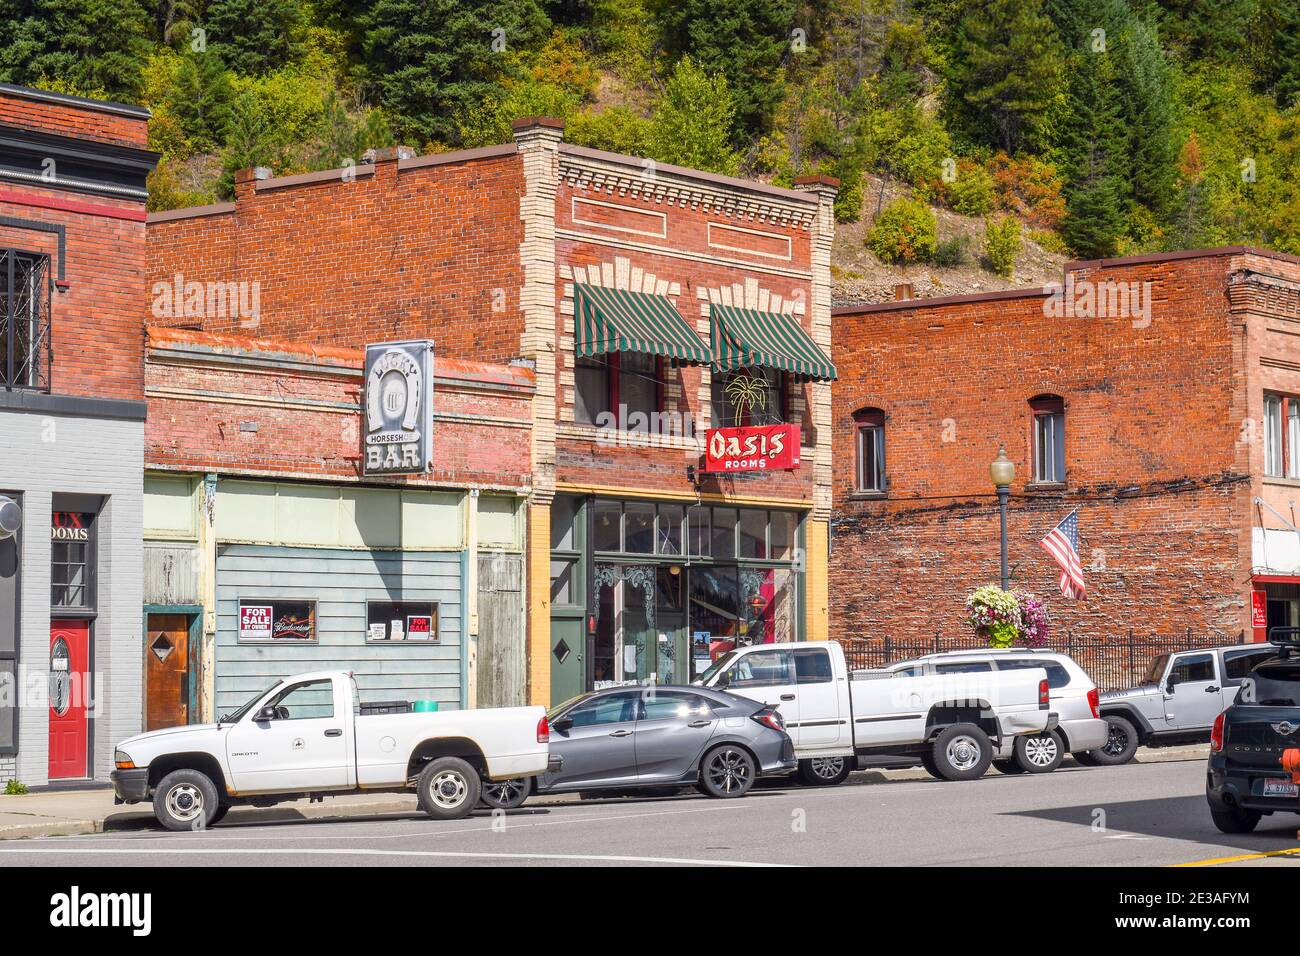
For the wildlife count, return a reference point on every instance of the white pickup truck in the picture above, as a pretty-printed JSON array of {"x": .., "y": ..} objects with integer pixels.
[
  {"x": 310, "y": 736},
  {"x": 955, "y": 723}
]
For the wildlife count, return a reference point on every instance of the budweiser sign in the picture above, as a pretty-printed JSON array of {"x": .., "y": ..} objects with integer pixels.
[{"x": 755, "y": 448}]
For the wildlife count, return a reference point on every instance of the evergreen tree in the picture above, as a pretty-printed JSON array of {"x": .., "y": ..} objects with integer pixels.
[
  {"x": 1214, "y": 29},
  {"x": 745, "y": 41},
  {"x": 692, "y": 123},
  {"x": 201, "y": 99},
  {"x": 1006, "y": 71},
  {"x": 253, "y": 36},
  {"x": 1095, "y": 147},
  {"x": 431, "y": 61},
  {"x": 88, "y": 46}
]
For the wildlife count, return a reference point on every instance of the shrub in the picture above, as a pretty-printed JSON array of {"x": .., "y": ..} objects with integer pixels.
[
  {"x": 972, "y": 192},
  {"x": 904, "y": 232},
  {"x": 15, "y": 789},
  {"x": 918, "y": 156},
  {"x": 1050, "y": 240},
  {"x": 617, "y": 129},
  {"x": 1029, "y": 187},
  {"x": 1002, "y": 244},
  {"x": 951, "y": 252}
]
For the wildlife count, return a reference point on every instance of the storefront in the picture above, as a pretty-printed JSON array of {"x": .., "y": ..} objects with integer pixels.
[{"x": 646, "y": 591}]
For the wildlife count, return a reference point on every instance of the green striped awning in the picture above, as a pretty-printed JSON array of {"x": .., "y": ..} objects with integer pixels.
[
  {"x": 618, "y": 320},
  {"x": 743, "y": 338}
]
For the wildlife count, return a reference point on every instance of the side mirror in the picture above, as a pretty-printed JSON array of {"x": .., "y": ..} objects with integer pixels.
[
  {"x": 266, "y": 713},
  {"x": 1171, "y": 682},
  {"x": 562, "y": 725}
]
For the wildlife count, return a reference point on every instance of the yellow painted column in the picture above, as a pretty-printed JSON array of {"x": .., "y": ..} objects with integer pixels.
[
  {"x": 539, "y": 604},
  {"x": 816, "y": 587}
]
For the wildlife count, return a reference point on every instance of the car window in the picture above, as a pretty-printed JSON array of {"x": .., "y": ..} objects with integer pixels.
[
  {"x": 304, "y": 701},
  {"x": 673, "y": 704},
  {"x": 1193, "y": 667},
  {"x": 1057, "y": 676},
  {"x": 911, "y": 670},
  {"x": 762, "y": 668},
  {"x": 812, "y": 666},
  {"x": 1272, "y": 685},
  {"x": 1237, "y": 664},
  {"x": 1156, "y": 672},
  {"x": 963, "y": 667},
  {"x": 605, "y": 709}
]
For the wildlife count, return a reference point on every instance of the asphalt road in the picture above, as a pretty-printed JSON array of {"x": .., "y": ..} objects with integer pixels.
[{"x": 1136, "y": 815}]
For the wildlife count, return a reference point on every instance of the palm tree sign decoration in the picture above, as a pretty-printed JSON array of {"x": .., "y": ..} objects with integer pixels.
[{"x": 746, "y": 392}]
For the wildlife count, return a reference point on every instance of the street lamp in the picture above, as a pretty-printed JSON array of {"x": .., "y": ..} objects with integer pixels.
[{"x": 1003, "y": 472}]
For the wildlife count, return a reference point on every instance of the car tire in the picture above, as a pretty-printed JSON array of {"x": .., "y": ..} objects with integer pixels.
[
  {"x": 505, "y": 794},
  {"x": 448, "y": 788},
  {"x": 1084, "y": 758},
  {"x": 961, "y": 752},
  {"x": 1235, "y": 820},
  {"x": 1009, "y": 767},
  {"x": 727, "y": 772},
  {"x": 825, "y": 771},
  {"x": 185, "y": 800},
  {"x": 1121, "y": 745},
  {"x": 222, "y": 810},
  {"x": 1039, "y": 753},
  {"x": 927, "y": 761}
]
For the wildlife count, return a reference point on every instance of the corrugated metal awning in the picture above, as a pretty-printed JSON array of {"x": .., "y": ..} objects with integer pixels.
[
  {"x": 744, "y": 338},
  {"x": 619, "y": 320}
]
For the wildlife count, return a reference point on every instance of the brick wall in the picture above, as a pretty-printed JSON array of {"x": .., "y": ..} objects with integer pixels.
[
  {"x": 126, "y": 128},
  {"x": 1152, "y": 456}
]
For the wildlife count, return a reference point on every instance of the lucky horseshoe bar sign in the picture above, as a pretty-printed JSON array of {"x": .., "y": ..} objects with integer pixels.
[
  {"x": 752, "y": 448},
  {"x": 398, "y": 408}
]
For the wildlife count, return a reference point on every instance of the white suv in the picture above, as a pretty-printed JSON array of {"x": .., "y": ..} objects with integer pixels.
[{"x": 1074, "y": 698}]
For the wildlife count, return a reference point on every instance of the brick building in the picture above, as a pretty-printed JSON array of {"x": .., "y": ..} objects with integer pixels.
[
  {"x": 1152, "y": 393},
  {"x": 650, "y": 303},
  {"x": 72, "y": 250}
]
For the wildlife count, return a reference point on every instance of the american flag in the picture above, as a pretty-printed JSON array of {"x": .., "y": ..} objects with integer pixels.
[{"x": 1062, "y": 543}]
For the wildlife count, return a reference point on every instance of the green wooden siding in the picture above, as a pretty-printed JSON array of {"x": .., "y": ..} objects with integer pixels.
[{"x": 340, "y": 582}]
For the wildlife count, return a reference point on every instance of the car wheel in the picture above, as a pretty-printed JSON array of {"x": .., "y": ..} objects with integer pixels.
[
  {"x": 505, "y": 794},
  {"x": 448, "y": 788},
  {"x": 727, "y": 771},
  {"x": 222, "y": 810},
  {"x": 962, "y": 752},
  {"x": 1009, "y": 767},
  {"x": 1121, "y": 744},
  {"x": 1041, "y": 753},
  {"x": 825, "y": 771},
  {"x": 1084, "y": 758},
  {"x": 185, "y": 800},
  {"x": 1235, "y": 820},
  {"x": 927, "y": 761}
]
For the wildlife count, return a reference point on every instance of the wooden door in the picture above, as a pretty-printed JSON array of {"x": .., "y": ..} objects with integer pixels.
[
  {"x": 69, "y": 695},
  {"x": 167, "y": 671}
]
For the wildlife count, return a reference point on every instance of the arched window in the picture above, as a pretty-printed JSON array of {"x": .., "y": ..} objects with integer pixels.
[
  {"x": 1049, "y": 438},
  {"x": 869, "y": 451}
]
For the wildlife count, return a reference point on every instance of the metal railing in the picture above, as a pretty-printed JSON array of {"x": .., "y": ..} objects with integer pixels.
[
  {"x": 1114, "y": 662},
  {"x": 26, "y": 347}
]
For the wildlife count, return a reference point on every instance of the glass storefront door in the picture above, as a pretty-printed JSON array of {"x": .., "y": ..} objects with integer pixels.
[{"x": 640, "y": 625}]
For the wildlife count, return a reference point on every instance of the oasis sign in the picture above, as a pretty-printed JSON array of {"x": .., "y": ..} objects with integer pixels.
[
  {"x": 398, "y": 408},
  {"x": 753, "y": 448}
]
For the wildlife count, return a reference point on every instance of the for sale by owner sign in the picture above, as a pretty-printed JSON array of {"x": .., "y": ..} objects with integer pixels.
[
  {"x": 255, "y": 622},
  {"x": 755, "y": 448}
]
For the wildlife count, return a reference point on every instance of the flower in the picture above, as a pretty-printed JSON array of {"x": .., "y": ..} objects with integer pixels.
[{"x": 1008, "y": 618}]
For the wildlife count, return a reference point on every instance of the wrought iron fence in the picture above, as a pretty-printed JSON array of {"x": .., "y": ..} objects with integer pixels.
[
  {"x": 1113, "y": 662},
  {"x": 26, "y": 350}
]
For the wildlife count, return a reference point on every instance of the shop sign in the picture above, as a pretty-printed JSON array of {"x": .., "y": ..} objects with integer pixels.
[
  {"x": 70, "y": 526},
  {"x": 752, "y": 448},
  {"x": 1258, "y": 609},
  {"x": 277, "y": 621},
  {"x": 255, "y": 622},
  {"x": 398, "y": 408}
]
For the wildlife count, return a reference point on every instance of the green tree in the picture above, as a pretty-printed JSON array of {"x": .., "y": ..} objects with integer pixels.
[
  {"x": 432, "y": 61},
  {"x": 86, "y": 45},
  {"x": 1006, "y": 71},
  {"x": 692, "y": 122},
  {"x": 200, "y": 99},
  {"x": 745, "y": 41},
  {"x": 254, "y": 36},
  {"x": 1095, "y": 151}
]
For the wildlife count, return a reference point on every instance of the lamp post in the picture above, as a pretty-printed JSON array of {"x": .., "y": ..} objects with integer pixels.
[{"x": 1003, "y": 472}]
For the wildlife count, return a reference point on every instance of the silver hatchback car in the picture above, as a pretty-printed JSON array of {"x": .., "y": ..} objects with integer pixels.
[{"x": 628, "y": 738}]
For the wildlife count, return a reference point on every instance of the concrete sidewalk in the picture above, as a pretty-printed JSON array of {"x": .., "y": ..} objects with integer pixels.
[{"x": 72, "y": 812}]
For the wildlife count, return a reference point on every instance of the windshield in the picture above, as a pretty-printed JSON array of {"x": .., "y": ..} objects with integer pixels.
[
  {"x": 238, "y": 715},
  {"x": 561, "y": 708},
  {"x": 1156, "y": 670},
  {"x": 719, "y": 665}
]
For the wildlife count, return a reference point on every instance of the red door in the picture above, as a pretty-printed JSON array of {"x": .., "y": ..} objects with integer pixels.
[{"x": 69, "y": 690}]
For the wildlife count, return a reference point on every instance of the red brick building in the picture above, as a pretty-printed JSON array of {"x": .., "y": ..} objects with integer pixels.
[
  {"x": 1151, "y": 393},
  {"x": 619, "y": 284},
  {"x": 72, "y": 245}
]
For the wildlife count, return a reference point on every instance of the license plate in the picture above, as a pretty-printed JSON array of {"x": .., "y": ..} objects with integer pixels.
[{"x": 1281, "y": 788}]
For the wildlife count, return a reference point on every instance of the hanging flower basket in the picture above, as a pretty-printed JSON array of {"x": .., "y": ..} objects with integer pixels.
[{"x": 1007, "y": 618}]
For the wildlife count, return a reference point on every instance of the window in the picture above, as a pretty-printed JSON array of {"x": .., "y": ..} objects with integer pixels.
[
  {"x": 72, "y": 549},
  {"x": 24, "y": 320},
  {"x": 751, "y": 396},
  {"x": 763, "y": 669},
  {"x": 277, "y": 620},
  {"x": 621, "y": 383},
  {"x": 606, "y": 709},
  {"x": 1192, "y": 668},
  {"x": 1281, "y": 436},
  {"x": 402, "y": 621},
  {"x": 869, "y": 450},
  {"x": 305, "y": 701},
  {"x": 1237, "y": 664},
  {"x": 1049, "y": 439},
  {"x": 563, "y": 581},
  {"x": 963, "y": 667},
  {"x": 812, "y": 666},
  {"x": 1057, "y": 676},
  {"x": 658, "y": 705}
]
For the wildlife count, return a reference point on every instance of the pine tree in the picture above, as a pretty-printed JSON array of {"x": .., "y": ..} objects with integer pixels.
[
  {"x": 201, "y": 100},
  {"x": 1006, "y": 69},
  {"x": 254, "y": 36},
  {"x": 1095, "y": 147},
  {"x": 95, "y": 47}
]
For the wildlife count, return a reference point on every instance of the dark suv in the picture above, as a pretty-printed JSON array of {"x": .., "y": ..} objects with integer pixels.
[{"x": 1245, "y": 778}]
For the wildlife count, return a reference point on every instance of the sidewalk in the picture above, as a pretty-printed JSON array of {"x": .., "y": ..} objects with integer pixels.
[{"x": 72, "y": 812}]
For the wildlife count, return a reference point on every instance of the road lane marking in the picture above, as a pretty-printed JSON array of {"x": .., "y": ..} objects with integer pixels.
[
  {"x": 1216, "y": 861},
  {"x": 305, "y": 851}
]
